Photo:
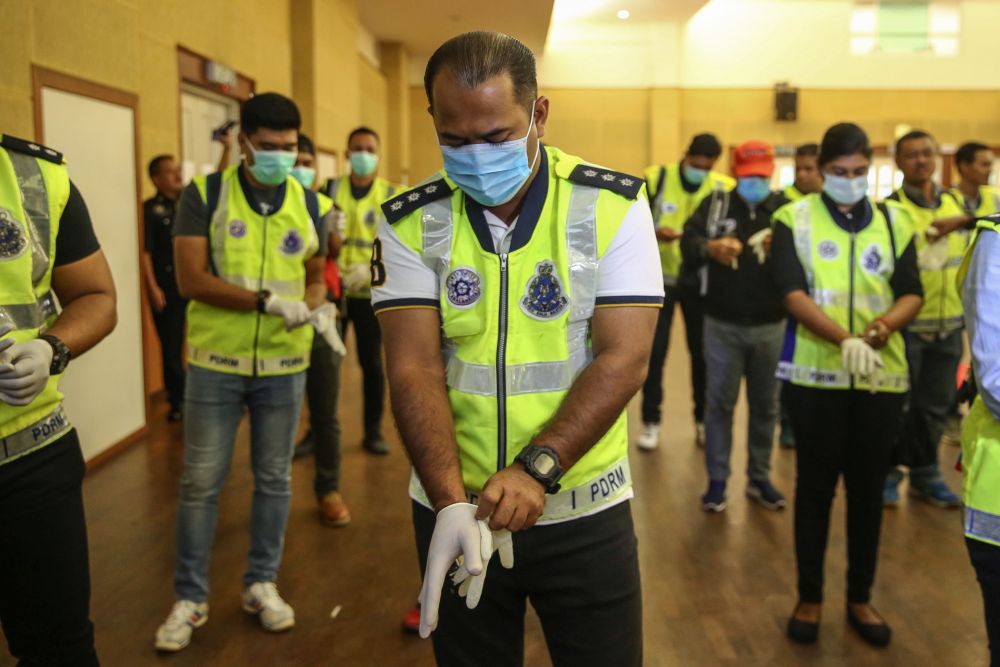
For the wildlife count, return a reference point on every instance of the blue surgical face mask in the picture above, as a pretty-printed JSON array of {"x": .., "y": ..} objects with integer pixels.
[
  {"x": 304, "y": 175},
  {"x": 491, "y": 173},
  {"x": 753, "y": 189},
  {"x": 695, "y": 175},
  {"x": 363, "y": 163},
  {"x": 271, "y": 167},
  {"x": 845, "y": 191}
]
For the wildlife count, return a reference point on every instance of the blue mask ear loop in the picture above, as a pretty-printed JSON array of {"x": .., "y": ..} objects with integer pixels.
[{"x": 538, "y": 142}]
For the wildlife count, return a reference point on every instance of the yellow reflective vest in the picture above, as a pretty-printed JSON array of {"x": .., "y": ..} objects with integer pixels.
[
  {"x": 848, "y": 276},
  {"x": 516, "y": 323},
  {"x": 989, "y": 201},
  {"x": 793, "y": 193},
  {"x": 942, "y": 309},
  {"x": 980, "y": 431},
  {"x": 256, "y": 252},
  {"x": 363, "y": 218},
  {"x": 34, "y": 189},
  {"x": 672, "y": 205}
]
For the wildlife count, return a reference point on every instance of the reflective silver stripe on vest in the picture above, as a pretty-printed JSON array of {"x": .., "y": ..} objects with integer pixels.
[
  {"x": 29, "y": 315},
  {"x": 283, "y": 365},
  {"x": 33, "y": 436},
  {"x": 534, "y": 378},
  {"x": 803, "y": 239},
  {"x": 358, "y": 243},
  {"x": 937, "y": 324},
  {"x": 610, "y": 487},
  {"x": 292, "y": 289},
  {"x": 839, "y": 299},
  {"x": 953, "y": 262},
  {"x": 220, "y": 227},
  {"x": 982, "y": 525},
  {"x": 819, "y": 377},
  {"x": 581, "y": 250},
  {"x": 222, "y": 362},
  {"x": 36, "y": 206},
  {"x": 437, "y": 230}
]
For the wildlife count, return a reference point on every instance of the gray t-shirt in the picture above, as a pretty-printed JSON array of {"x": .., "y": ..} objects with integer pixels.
[{"x": 192, "y": 214}]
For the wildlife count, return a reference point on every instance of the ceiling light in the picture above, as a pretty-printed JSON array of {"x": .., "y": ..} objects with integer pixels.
[{"x": 623, "y": 14}]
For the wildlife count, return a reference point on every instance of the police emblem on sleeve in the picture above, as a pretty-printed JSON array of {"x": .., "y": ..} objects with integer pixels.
[
  {"x": 291, "y": 243},
  {"x": 871, "y": 259},
  {"x": 464, "y": 287},
  {"x": 544, "y": 298},
  {"x": 12, "y": 238}
]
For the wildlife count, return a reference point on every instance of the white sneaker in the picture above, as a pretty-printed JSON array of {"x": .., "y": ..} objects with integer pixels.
[
  {"x": 699, "y": 434},
  {"x": 175, "y": 633},
  {"x": 649, "y": 439},
  {"x": 263, "y": 600}
]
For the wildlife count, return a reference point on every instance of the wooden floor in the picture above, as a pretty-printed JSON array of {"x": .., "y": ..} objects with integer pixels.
[{"x": 717, "y": 589}]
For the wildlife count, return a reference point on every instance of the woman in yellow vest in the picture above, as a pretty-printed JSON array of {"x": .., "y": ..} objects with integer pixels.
[
  {"x": 848, "y": 272},
  {"x": 978, "y": 279}
]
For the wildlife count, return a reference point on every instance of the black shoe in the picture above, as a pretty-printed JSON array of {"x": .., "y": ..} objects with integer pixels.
[
  {"x": 175, "y": 415},
  {"x": 802, "y": 632},
  {"x": 376, "y": 445},
  {"x": 305, "y": 447},
  {"x": 876, "y": 634}
]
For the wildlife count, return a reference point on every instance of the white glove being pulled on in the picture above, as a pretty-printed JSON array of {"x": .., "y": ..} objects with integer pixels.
[
  {"x": 470, "y": 586},
  {"x": 324, "y": 321},
  {"x": 756, "y": 243},
  {"x": 295, "y": 313},
  {"x": 860, "y": 359},
  {"x": 24, "y": 371},
  {"x": 358, "y": 278},
  {"x": 456, "y": 533}
]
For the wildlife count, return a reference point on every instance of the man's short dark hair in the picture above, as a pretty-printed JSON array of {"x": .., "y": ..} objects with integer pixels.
[
  {"x": 844, "y": 139},
  {"x": 705, "y": 145},
  {"x": 156, "y": 163},
  {"x": 807, "y": 150},
  {"x": 966, "y": 153},
  {"x": 306, "y": 144},
  {"x": 477, "y": 57},
  {"x": 270, "y": 111},
  {"x": 910, "y": 136},
  {"x": 362, "y": 130}
]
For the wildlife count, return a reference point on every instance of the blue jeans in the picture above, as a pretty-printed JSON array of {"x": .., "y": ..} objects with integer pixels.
[
  {"x": 732, "y": 352},
  {"x": 214, "y": 404}
]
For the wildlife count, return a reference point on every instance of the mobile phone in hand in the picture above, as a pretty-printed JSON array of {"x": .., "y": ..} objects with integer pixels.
[{"x": 222, "y": 130}]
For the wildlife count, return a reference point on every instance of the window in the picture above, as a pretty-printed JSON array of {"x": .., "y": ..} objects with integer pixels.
[{"x": 905, "y": 27}]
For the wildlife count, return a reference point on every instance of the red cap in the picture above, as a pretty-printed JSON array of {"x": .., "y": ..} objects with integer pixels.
[{"x": 754, "y": 158}]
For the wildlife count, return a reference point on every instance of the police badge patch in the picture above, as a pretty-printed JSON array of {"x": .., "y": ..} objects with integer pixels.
[
  {"x": 291, "y": 243},
  {"x": 828, "y": 249},
  {"x": 464, "y": 287},
  {"x": 370, "y": 218},
  {"x": 544, "y": 298},
  {"x": 237, "y": 229},
  {"x": 668, "y": 208},
  {"x": 871, "y": 259},
  {"x": 12, "y": 239}
]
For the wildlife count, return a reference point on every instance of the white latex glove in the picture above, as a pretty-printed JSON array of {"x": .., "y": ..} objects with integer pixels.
[
  {"x": 24, "y": 371},
  {"x": 340, "y": 221},
  {"x": 858, "y": 357},
  {"x": 456, "y": 533},
  {"x": 295, "y": 313},
  {"x": 756, "y": 243},
  {"x": 358, "y": 278},
  {"x": 470, "y": 586},
  {"x": 324, "y": 321},
  {"x": 5, "y": 343}
]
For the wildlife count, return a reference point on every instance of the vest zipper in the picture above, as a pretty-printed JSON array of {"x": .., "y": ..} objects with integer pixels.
[
  {"x": 502, "y": 366},
  {"x": 850, "y": 296},
  {"x": 260, "y": 286}
]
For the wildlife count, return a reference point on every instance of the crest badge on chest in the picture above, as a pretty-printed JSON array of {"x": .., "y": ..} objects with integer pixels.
[
  {"x": 13, "y": 240},
  {"x": 464, "y": 287},
  {"x": 544, "y": 297}
]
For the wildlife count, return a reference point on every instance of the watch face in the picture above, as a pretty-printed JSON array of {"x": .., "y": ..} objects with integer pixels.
[{"x": 544, "y": 463}]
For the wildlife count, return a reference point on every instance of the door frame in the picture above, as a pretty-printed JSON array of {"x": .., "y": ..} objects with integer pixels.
[{"x": 42, "y": 77}]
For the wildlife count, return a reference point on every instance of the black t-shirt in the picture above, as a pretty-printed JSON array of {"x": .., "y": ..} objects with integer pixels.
[
  {"x": 158, "y": 221},
  {"x": 790, "y": 276},
  {"x": 76, "y": 239}
]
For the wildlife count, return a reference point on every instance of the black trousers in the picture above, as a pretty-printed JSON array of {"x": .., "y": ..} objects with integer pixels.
[
  {"x": 44, "y": 567},
  {"x": 369, "y": 343},
  {"x": 849, "y": 433},
  {"x": 582, "y": 578},
  {"x": 322, "y": 390},
  {"x": 986, "y": 559},
  {"x": 170, "y": 330},
  {"x": 694, "y": 319}
]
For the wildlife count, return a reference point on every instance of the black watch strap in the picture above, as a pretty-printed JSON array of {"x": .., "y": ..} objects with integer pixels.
[
  {"x": 60, "y": 354},
  {"x": 262, "y": 297},
  {"x": 543, "y": 465}
]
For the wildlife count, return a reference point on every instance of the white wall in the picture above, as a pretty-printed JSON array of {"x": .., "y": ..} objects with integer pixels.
[{"x": 105, "y": 397}]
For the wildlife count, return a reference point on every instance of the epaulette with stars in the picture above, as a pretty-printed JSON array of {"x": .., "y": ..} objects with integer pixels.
[
  {"x": 598, "y": 177},
  {"x": 400, "y": 206},
  {"x": 30, "y": 148}
]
